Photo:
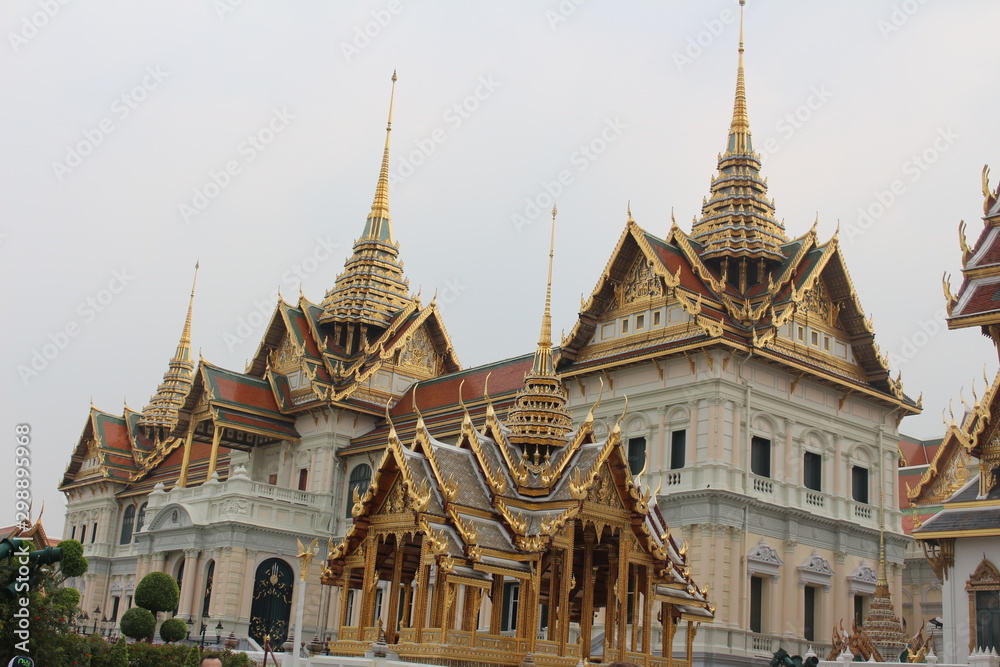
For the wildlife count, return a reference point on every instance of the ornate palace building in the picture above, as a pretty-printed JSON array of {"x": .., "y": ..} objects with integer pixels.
[
  {"x": 961, "y": 487},
  {"x": 759, "y": 409}
]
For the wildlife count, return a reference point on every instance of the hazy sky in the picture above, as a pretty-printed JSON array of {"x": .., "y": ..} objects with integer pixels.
[{"x": 141, "y": 137}]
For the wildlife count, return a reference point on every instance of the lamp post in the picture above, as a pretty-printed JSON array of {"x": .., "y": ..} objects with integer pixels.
[
  {"x": 97, "y": 612},
  {"x": 104, "y": 626},
  {"x": 218, "y": 633},
  {"x": 82, "y": 628}
]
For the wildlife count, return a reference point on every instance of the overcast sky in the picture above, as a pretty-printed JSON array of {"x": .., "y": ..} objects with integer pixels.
[{"x": 141, "y": 137}]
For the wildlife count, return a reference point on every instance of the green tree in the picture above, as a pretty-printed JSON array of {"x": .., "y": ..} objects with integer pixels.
[
  {"x": 173, "y": 630},
  {"x": 47, "y": 605},
  {"x": 194, "y": 657},
  {"x": 119, "y": 654},
  {"x": 138, "y": 623},
  {"x": 157, "y": 592}
]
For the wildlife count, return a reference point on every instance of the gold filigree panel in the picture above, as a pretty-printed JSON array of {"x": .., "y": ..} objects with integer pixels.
[
  {"x": 419, "y": 353},
  {"x": 641, "y": 283}
]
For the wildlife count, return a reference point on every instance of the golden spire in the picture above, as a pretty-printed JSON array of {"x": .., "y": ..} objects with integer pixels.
[
  {"x": 543, "y": 355},
  {"x": 379, "y": 225},
  {"x": 739, "y": 129},
  {"x": 539, "y": 416},
  {"x": 163, "y": 407},
  {"x": 737, "y": 220},
  {"x": 372, "y": 287},
  {"x": 881, "y": 625}
]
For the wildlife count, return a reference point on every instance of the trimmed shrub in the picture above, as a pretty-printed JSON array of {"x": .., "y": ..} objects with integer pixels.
[
  {"x": 138, "y": 623},
  {"x": 157, "y": 592},
  {"x": 193, "y": 657},
  {"x": 73, "y": 564},
  {"x": 119, "y": 654},
  {"x": 173, "y": 630}
]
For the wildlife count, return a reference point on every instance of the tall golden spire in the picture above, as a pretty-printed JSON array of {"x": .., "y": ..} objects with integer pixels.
[
  {"x": 881, "y": 624},
  {"x": 543, "y": 355},
  {"x": 737, "y": 220},
  {"x": 539, "y": 416},
  {"x": 162, "y": 410},
  {"x": 739, "y": 129},
  {"x": 379, "y": 225},
  {"x": 372, "y": 288}
]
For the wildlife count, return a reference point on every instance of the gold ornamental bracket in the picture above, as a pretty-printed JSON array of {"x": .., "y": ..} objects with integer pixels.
[{"x": 305, "y": 556}]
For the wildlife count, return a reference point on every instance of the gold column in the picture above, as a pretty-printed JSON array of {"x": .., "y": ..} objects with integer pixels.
[
  {"x": 407, "y": 605},
  {"x": 587, "y": 612},
  {"x": 182, "y": 480},
  {"x": 565, "y": 613},
  {"x": 634, "y": 606},
  {"x": 214, "y": 460},
  {"x": 555, "y": 569},
  {"x": 623, "y": 569},
  {"x": 423, "y": 583},
  {"x": 692, "y": 626},
  {"x": 345, "y": 590},
  {"x": 393, "y": 614},
  {"x": 612, "y": 608},
  {"x": 368, "y": 586},
  {"x": 647, "y": 612},
  {"x": 496, "y": 612}
]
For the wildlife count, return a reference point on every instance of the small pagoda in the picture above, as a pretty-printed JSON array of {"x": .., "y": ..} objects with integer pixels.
[{"x": 526, "y": 540}]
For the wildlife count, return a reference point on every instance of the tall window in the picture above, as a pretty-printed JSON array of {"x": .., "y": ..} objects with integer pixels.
[
  {"x": 72, "y": 533},
  {"x": 360, "y": 478},
  {"x": 988, "y": 619},
  {"x": 141, "y": 519},
  {"x": 508, "y": 619},
  {"x": 756, "y": 604},
  {"x": 809, "y": 631},
  {"x": 812, "y": 471},
  {"x": 115, "y": 601},
  {"x": 636, "y": 454},
  {"x": 678, "y": 445},
  {"x": 303, "y": 479},
  {"x": 127, "y": 520},
  {"x": 83, "y": 534},
  {"x": 209, "y": 580},
  {"x": 860, "y": 609},
  {"x": 859, "y": 484},
  {"x": 760, "y": 456},
  {"x": 93, "y": 533}
]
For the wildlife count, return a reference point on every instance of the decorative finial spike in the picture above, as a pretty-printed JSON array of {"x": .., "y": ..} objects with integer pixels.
[{"x": 628, "y": 208}]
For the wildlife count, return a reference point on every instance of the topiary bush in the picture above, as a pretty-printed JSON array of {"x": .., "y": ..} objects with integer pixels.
[
  {"x": 193, "y": 657},
  {"x": 173, "y": 630},
  {"x": 138, "y": 623},
  {"x": 157, "y": 655},
  {"x": 73, "y": 563},
  {"x": 119, "y": 654},
  {"x": 157, "y": 592}
]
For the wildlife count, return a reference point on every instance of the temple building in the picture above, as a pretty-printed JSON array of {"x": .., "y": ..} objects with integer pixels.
[
  {"x": 722, "y": 381},
  {"x": 961, "y": 487}
]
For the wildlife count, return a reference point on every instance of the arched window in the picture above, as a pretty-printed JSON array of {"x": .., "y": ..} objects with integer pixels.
[
  {"x": 141, "y": 520},
  {"x": 360, "y": 478},
  {"x": 209, "y": 578},
  {"x": 127, "y": 522}
]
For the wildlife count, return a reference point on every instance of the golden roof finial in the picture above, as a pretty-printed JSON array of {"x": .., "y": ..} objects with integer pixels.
[
  {"x": 628, "y": 207},
  {"x": 177, "y": 381},
  {"x": 379, "y": 223},
  {"x": 739, "y": 131},
  {"x": 543, "y": 355}
]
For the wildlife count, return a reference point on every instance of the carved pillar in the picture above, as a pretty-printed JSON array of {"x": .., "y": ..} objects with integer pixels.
[
  {"x": 186, "y": 461},
  {"x": 555, "y": 569},
  {"x": 611, "y": 610},
  {"x": 496, "y": 610},
  {"x": 213, "y": 461},
  {"x": 634, "y": 606},
  {"x": 624, "y": 548},
  {"x": 587, "y": 612},
  {"x": 423, "y": 584},
  {"x": 369, "y": 584},
  {"x": 185, "y": 606},
  {"x": 647, "y": 612},
  {"x": 393, "y": 612},
  {"x": 564, "y": 590},
  {"x": 345, "y": 591}
]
